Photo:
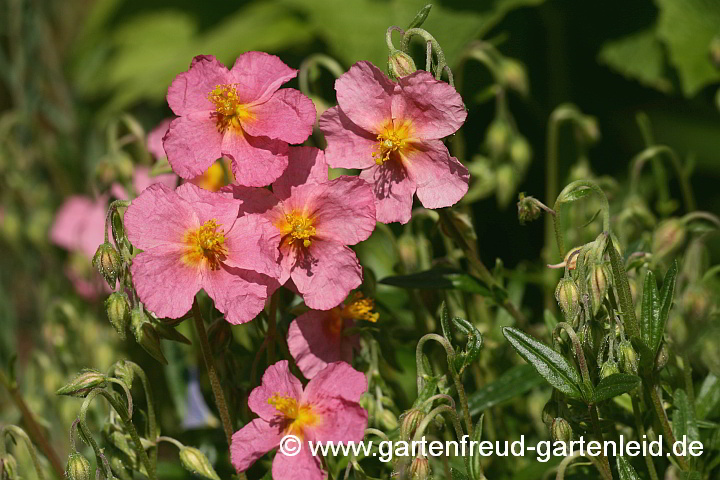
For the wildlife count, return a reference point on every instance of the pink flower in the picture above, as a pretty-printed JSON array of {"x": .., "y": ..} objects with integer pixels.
[
  {"x": 315, "y": 219},
  {"x": 239, "y": 113},
  {"x": 141, "y": 179},
  {"x": 392, "y": 132},
  {"x": 327, "y": 410},
  {"x": 317, "y": 338},
  {"x": 155, "y": 139},
  {"x": 79, "y": 224},
  {"x": 192, "y": 240}
]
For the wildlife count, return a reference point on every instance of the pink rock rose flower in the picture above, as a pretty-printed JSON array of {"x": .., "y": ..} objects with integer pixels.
[
  {"x": 315, "y": 220},
  {"x": 239, "y": 113},
  {"x": 327, "y": 410},
  {"x": 192, "y": 239},
  {"x": 393, "y": 131},
  {"x": 317, "y": 338},
  {"x": 155, "y": 139}
]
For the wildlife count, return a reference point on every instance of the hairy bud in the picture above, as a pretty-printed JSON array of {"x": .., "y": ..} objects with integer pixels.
[
  {"x": 146, "y": 335},
  {"x": 8, "y": 467},
  {"x": 549, "y": 412},
  {"x": 628, "y": 358},
  {"x": 661, "y": 358},
  {"x": 513, "y": 75},
  {"x": 568, "y": 297},
  {"x": 528, "y": 209},
  {"x": 83, "y": 383},
  {"x": 197, "y": 463},
  {"x": 107, "y": 261},
  {"x": 599, "y": 283},
  {"x": 520, "y": 152},
  {"x": 118, "y": 312},
  {"x": 609, "y": 368},
  {"x": 388, "y": 420},
  {"x": 400, "y": 64},
  {"x": 560, "y": 430},
  {"x": 497, "y": 137},
  {"x": 419, "y": 469},
  {"x": 78, "y": 467},
  {"x": 668, "y": 238},
  {"x": 410, "y": 421}
]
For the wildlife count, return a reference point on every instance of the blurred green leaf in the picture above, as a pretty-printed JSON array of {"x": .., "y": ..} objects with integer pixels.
[
  {"x": 708, "y": 400},
  {"x": 514, "y": 382},
  {"x": 439, "y": 279},
  {"x": 552, "y": 366},
  {"x": 625, "y": 470},
  {"x": 456, "y": 474},
  {"x": 650, "y": 311},
  {"x": 687, "y": 27},
  {"x": 614, "y": 385},
  {"x": 684, "y": 423}
]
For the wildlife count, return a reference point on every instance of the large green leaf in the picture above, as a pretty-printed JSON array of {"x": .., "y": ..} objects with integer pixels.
[
  {"x": 513, "y": 383},
  {"x": 552, "y": 366},
  {"x": 625, "y": 470},
  {"x": 687, "y": 27},
  {"x": 614, "y": 385},
  {"x": 683, "y": 418},
  {"x": 440, "y": 279},
  {"x": 639, "y": 56},
  {"x": 708, "y": 399}
]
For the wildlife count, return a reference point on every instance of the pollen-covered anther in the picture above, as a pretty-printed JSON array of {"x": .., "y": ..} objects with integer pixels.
[
  {"x": 388, "y": 142},
  {"x": 298, "y": 416},
  {"x": 285, "y": 405},
  {"x": 361, "y": 308},
  {"x": 207, "y": 244},
  {"x": 228, "y": 106},
  {"x": 301, "y": 229}
]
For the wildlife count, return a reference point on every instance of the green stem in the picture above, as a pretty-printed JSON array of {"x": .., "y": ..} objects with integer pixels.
[
  {"x": 641, "y": 434},
  {"x": 665, "y": 424},
  {"x": 18, "y": 432},
  {"x": 687, "y": 375},
  {"x": 605, "y": 471},
  {"x": 329, "y": 63},
  {"x": 212, "y": 373},
  {"x": 456, "y": 424},
  {"x": 578, "y": 350},
  {"x": 652, "y": 153},
  {"x": 272, "y": 327},
  {"x": 152, "y": 421}
]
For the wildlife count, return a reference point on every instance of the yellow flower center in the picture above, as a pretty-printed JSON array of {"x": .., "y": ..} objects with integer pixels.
[
  {"x": 299, "y": 228},
  {"x": 298, "y": 416},
  {"x": 206, "y": 244},
  {"x": 360, "y": 308},
  {"x": 230, "y": 110},
  {"x": 391, "y": 139}
]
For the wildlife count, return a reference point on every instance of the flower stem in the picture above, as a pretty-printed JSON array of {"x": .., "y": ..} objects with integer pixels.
[
  {"x": 606, "y": 472},
  {"x": 16, "y": 432},
  {"x": 665, "y": 424},
  {"x": 641, "y": 434},
  {"x": 212, "y": 373}
]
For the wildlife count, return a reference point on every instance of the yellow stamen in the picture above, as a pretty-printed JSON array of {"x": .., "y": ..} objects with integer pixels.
[
  {"x": 360, "y": 308},
  {"x": 206, "y": 244},
  {"x": 391, "y": 139},
  {"x": 228, "y": 106},
  {"x": 297, "y": 416},
  {"x": 300, "y": 228}
]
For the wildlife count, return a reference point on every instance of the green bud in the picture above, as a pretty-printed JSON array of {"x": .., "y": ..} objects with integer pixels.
[
  {"x": 661, "y": 358},
  {"x": 219, "y": 334},
  {"x": 78, "y": 467},
  {"x": 497, "y": 137},
  {"x": 506, "y": 183},
  {"x": 560, "y": 430},
  {"x": 400, "y": 64},
  {"x": 145, "y": 335},
  {"x": 8, "y": 467},
  {"x": 388, "y": 420},
  {"x": 410, "y": 421},
  {"x": 83, "y": 383},
  {"x": 107, "y": 261},
  {"x": 513, "y": 75},
  {"x": 568, "y": 297},
  {"x": 124, "y": 372},
  {"x": 197, "y": 463},
  {"x": 668, "y": 238},
  {"x": 628, "y": 358},
  {"x": 169, "y": 333},
  {"x": 549, "y": 412},
  {"x": 696, "y": 302},
  {"x": 599, "y": 283},
  {"x": 528, "y": 209},
  {"x": 419, "y": 469},
  {"x": 609, "y": 368},
  {"x": 520, "y": 152},
  {"x": 118, "y": 312},
  {"x": 715, "y": 51}
]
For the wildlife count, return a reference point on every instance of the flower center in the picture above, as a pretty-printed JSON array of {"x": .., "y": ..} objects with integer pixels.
[
  {"x": 299, "y": 416},
  {"x": 391, "y": 139},
  {"x": 206, "y": 244},
  {"x": 228, "y": 107},
  {"x": 300, "y": 228},
  {"x": 360, "y": 308}
]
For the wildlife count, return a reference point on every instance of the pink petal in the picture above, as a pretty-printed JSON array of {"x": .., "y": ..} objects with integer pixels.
[
  {"x": 237, "y": 293},
  {"x": 256, "y": 161},
  {"x": 164, "y": 283},
  {"x": 80, "y": 224},
  {"x": 393, "y": 191},
  {"x": 259, "y": 75},
  {"x": 189, "y": 91},
  {"x": 364, "y": 95},
  {"x": 345, "y": 211},
  {"x": 338, "y": 379},
  {"x": 253, "y": 244},
  {"x": 348, "y": 146},
  {"x": 305, "y": 165},
  {"x": 288, "y": 116},
  {"x": 342, "y": 421},
  {"x": 313, "y": 345},
  {"x": 325, "y": 273},
  {"x": 142, "y": 179},
  {"x": 218, "y": 206},
  {"x": 252, "y": 442},
  {"x": 303, "y": 466},
  {"x": 252, "y": 200},
  {"x": 159, "y": 217},
  {"x": 435, "y": 108},
  {"x": 193, "y": 143},
  {"x": 441, "y": 179},
  {"x": 277, "y": 380},
  {"x": 155, "y": 139}
]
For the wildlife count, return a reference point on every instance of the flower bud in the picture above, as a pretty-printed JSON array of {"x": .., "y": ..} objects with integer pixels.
[
  {"x": 568, "y": 297},
  {"x": 628, "y": 358},
  {"x": 197, "y": 463},
  {"x": 419, "y": 469},
  {"x": 145, "y": 335},
  {"x": 696, "y": 302},
  {"x": 8, "y": 467},
  {"x": 609, "y": 368},
  {"x": 668, "y": 238},
  {"x": 599, "y": 283},
  {"x": 549, "y": 412},
  {"x": 528, "y": 209},
  {"x": 400, "y": 64},
  {"x": 497, "y": 137},
  {"x": 388, "y": 420},
  {"x": 513, "y": 75},
  {"x": 560, "y": 430},
  {"x": 715, "y": 51},
  {"x": 107, "y": 261},
  {"x": 661, "y": 358},
  {"x": 410, "y": 421},
  {"x": 125, "y": 373},
  {"x": 118, "y": 312},
  {"x": 83, "y": 383},
  {"x": 506, "y": 183},
  {"x": 78, "y": 467},
  {"x": 520, "y": 152},
  {"x": 219, "y": 334}
]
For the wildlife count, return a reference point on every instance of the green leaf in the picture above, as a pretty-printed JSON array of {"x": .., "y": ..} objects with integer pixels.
[
  {"x": 665, "y": 298},
  {"x": 625, "y": 470},
  {"x": 512, "y": 383},
  {"x": 420, "y": 17},
  {"x": 614, "y": 385},
  {"x": 552, "y": 366},
  {"x": 440, "y": 279},
  {"x": 683, "y": 418},
  {"x": 473, "y": 344},
  {"x": 687, "y": 27},
  {"x": 574, "y": 195},
  {"x": 708, "y": 400},
  {"x": 639, "y": 56},
  {"x": 650, "y": 311},
  {"x": 623, "y": 290},
  {"x": 456, "y": 474}
]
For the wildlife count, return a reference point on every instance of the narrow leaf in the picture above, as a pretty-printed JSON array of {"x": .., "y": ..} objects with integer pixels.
[
  {"x": 614, "y": 385},
  {"x": 552, "y": 366},
  {"x": 625, "y": 470},
  {"x": 650, "y": 312},
  {"x": 440, "y": 279},
  {"x": 683, "y": 418},
  {"x": 708, "y": 400},
  {"x": 513, "y": 383},
  {"x": 665, "y": 300},
  {"x": 623, "y": 289}
]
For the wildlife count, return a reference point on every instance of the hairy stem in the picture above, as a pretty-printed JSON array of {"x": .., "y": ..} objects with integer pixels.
[
  {"x": 665, "y": 423},
  {"x": 641, "y": 434}
]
